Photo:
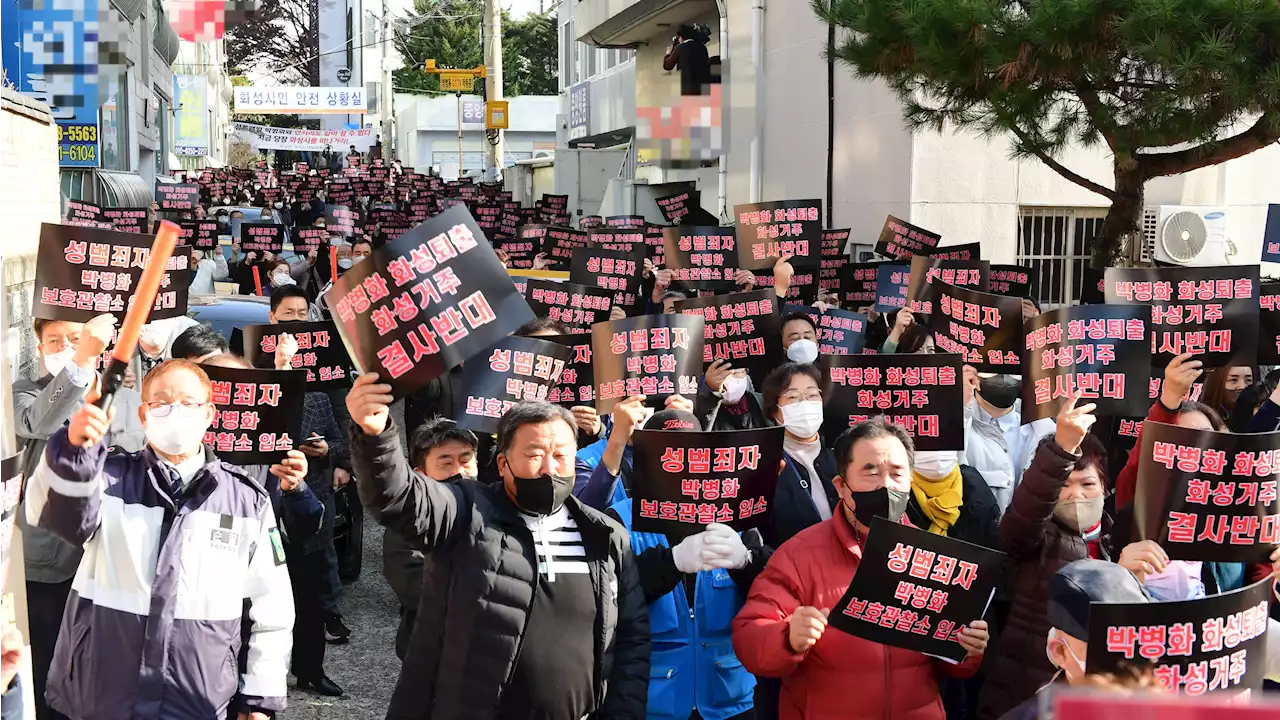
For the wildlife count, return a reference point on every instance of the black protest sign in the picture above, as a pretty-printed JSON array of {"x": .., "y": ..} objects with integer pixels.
[
  {"x": 177, "y": 197},
  {"x": 1212, "y": 644},
  {"x": 985, "y": 329},
  {"x": 858, "y": 284},
  {"x": 1012, "y": 280},
  {"x": 321, "y": 356},
  {"x": 1100, "y": 352},
  {"x": 654, "y": 240},
  {"x": 617, "y": 272},
  {"x": 684, "y": 481},
  {"x": 1093, "y": 287},
  {"x": 508, "y": 224},
  {"x": 307, "y": 239},
  {"x": 130, "y": 220},
  {"x": 1271, "y": 235},
  {"x": 770, "y": 230},
  {"x": 917, "y": 590},
  {"x": 744, "y": 329},
  {"x": 558, "y": 203},
  {"x": 340, "y": 219},
  {"x": 488, "y": 217},
  {"x": 574, "y": 304},
  {"x": 258, "y": 414},
  {"x": 620, "y": 239},
  {"x": 560, "y": 243},
  {"x": 514, "y": 370},
  {"x": 1269, "y": 316},
  {"x": 1209, "y": 311},
  {"x": 199, "y": 234},
  {"x": 892, "y": 283},
  {"x": 524, "y": 247},
  {"x": 341, "y": 193},
  {"x": 840, "y": 332},
  {"x": 803, "y": 288},
  {"x": 901, "y": 240},
  {"x": 834, "y": 259},
  {"x": 625, "y": 222},
  {"x": 652, "y": 355},
  {"x": 922, "y": 394},
  {"x": 701, "y": 258},
  {"x": 675, "y": 207},
  {"x": 925, "y": 269},
  {"x": 262, "y": 237},
  {"x": 586, "y": 222},
  {"x": 86, "y": 214},
  {"x": 970, "y": 251},
  {"x": 83, "y": 272},
  {"x": 577, "y": 382},
  {"x": 1206, "y": 495},
  {"x": 426, "y": 302}
]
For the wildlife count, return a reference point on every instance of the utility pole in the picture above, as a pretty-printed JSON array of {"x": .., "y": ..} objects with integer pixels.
[{"x": 494, "y": 145}]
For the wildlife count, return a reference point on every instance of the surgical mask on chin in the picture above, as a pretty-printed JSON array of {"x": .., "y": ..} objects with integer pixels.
[
  {"x": 884, "y": 502},
  {"x": 802, "y": 419},
  {"x": 55, "y": 362},
  {"x": 1001, "y": 390},
  {"x": 179, "y": 433},
  {"x": 1179, "y": 581},
  {"x": 1079, "y": 516},
  {"x": 803, "y": 351},
  {"x": 542, "y": 495},
  {"x": 735, "y": 386},
  {"x": 345, "y": 263}
]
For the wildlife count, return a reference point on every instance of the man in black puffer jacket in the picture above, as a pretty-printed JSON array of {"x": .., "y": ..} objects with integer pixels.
[{"x": 531, "y": 604}]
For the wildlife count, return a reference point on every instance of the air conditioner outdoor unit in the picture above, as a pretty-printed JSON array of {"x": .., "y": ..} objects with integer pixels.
[{"x": 1185, "y": 235}]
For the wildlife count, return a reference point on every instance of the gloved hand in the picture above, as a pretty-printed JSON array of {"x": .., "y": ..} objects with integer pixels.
[
  {"x": 724, "y": 547},
  {"x": 688, "y": 553}
]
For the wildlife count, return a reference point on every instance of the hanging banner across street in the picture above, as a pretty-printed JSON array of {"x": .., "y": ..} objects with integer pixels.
[
  {"x": 265, "y": 137},
  {"x": 294, "y": 100}
]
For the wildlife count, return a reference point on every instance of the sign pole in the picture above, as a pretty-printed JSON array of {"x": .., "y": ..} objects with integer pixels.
[{"x": 459, "y": 96}]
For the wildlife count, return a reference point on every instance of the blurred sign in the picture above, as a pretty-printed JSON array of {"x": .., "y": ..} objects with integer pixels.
[
  {"x": 191, "y": 118},
  {"x": 50, "y": 40},
  {"x": 457, "y": 82},
  {"x": 496, "y": 115},
  {"x": 579, "y": 110},
  {"x": 473, "y": 112}
]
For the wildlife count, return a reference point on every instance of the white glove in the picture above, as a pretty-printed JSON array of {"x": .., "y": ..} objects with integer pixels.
[
  {"x": 724, "y": 548},
  {"x": 688, "y": 553}
]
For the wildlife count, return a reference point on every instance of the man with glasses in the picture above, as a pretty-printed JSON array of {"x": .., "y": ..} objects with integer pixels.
[
  {"x": 182, "y": 560},
  {"x": 69, "y": 353}
]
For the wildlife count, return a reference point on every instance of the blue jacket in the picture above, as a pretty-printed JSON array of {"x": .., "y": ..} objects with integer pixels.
[{"x": 692, "y": 663}]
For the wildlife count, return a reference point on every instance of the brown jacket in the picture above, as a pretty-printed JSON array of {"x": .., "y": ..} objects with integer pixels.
[{"x": 1039, "y": 546}]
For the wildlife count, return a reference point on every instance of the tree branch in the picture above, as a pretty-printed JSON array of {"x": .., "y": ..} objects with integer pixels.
[
  {"x": 1263, "y": 132},
  {"x": 1063, "y": 170}
]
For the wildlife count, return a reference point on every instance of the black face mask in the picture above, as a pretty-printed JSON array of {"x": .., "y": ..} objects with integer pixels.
[
  {"x": 1001, "y": 391},
  {"x": 542, "y": 495},
  {"x": 885, "y": 503}
]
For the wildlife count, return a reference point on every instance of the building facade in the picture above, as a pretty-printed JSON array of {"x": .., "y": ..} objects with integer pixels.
[
  {"x": 427, "y": 131},
  {"x": 201, "y": 119}
]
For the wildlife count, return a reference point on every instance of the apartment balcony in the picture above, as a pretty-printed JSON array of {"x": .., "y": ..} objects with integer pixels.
[{"x": 614, "y": 23}]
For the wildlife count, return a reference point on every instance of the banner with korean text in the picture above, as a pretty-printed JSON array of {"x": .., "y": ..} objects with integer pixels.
[{"x": 265, "y": 137}]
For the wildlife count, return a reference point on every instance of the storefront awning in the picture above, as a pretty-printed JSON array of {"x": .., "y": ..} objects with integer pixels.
[{"x": 123, "y": 189}]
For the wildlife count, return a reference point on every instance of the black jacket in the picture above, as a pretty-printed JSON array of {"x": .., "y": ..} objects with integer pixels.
[
  {"x": 793, "y": 508},
  {"x": 979, "y": 521},
  {"x": 706, "y": 404},
  {"x": 478, "y": 582}
]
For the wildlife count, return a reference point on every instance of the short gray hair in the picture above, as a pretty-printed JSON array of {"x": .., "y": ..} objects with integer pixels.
[
  {"x": 530, "y": 412},
  {"x": 873, "y": 429}
]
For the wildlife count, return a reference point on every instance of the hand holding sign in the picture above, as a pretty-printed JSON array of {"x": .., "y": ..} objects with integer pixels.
[
  {"x": 292, "y": 470},
  {"x": 1181, "y": 373},
  {"x": 719, "y": 371},
  {"x": 368, "y": 402},
  {"x": 1074, "y": 423},
  {"x": 973, "y": 638},
  {"x": 587, "y": 418},
  {"x": 285, "y": 351},
  {"x": 806, "y": 628},
  {"x": 628, "y": 415},
  {"x": 1144, "y": 558}
]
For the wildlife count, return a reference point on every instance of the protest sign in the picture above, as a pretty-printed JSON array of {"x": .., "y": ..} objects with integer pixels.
[
  {"x": 516, "y": 369},
  {"x": 652, "y": 355},
  {"x": 1098, "y": 351},
  {"x": 623, "y": 240},
  {"x": 654, "y": 238},
  {"x": 925, "y": 269},
  {"x": 617, "y": 272},
  {"x": 508, "y": 224},
  {"x": 84, "y": 272},
  {"x": 574, "y": 304},
  {"x": 768, "y": 231},
  {"x": 341, "y": 193},
  {"x": 684, "y": 481},
  {"x": 858, "y": 284},
  {"x": 892, "y": 283},
  {"x": 577, "y": 382},
  {"x": 199, "y": 234},
  {"x": 321, "y": 355},
  {"x": 1271, "y": 235},
  {"x": 86, "y": 214},
  {"x": 308, "y": 239},
  {"x": 922, "y": 394},
  {"x": 586, "y": 222},
  {"x": 438, "y": 292},
  {"x": 558, "y": 203},
  {"x": 840, "y": 332},
  {"x": 560, "y": 243},
  {"x": 743, "y": 328},
  {"x": 1012, "y": 280},
  {"x": 900, "y": 240},
  {"x": 675, "y": 207},
  {"x": 625, "y": 222},
  {"x": 521, "y": 249},
  {"x": 262, "y": 237},
  {"x": 258, "y": 414},
  {"x": 1269, "y": 317},
  {"x": 1212, "y": 644},
  {"x": 1089, "y": 704},
  {"x": 488, "y": 217},
  {"x": 130, "y": 220},
  {"x": 341, "y": 220},
  {"x": 968, "y": 251},
  {"x": 917, "y": 590},
  {"x": 177, "y": 196},
  {"x": 985, "y": 329},
  {"x": 1209, "y": 311},
  {"x": 1206, "y": 495},
  {"x": 834, "y": 258},
  {"x": 702, "y": 258}
]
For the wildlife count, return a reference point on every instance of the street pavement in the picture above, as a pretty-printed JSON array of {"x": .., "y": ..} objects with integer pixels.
[{"x": 367, "y": 667}]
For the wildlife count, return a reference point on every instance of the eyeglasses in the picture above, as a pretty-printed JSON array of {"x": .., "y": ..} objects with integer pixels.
[
  {"x": 795, "y": 396},
  {"x": 57, "y": 345},
  {"x": 163, "y": 409}
]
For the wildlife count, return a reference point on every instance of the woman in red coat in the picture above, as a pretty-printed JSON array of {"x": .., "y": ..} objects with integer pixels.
[{"x": 781, "y": 631}]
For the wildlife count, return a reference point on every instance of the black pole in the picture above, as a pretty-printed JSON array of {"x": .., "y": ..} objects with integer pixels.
[{"x": 831, "y": 118}]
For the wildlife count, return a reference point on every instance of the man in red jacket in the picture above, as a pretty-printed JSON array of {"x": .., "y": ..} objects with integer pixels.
[{"x": 780, "y": 631}]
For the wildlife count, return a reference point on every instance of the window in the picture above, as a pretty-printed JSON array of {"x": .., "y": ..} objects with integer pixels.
[
  {"x": 1054, "y": 244},
  {"x": 567, "y": 76},
  {"x": 162, "y": 131},
  {"x": 114, "y": 111},
  {"x": 350, "y": 42}
]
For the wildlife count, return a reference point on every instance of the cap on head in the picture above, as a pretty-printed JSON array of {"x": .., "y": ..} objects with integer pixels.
[
  {"x": 671, "y": 419},
  {"x": 1082, "y": 582}
]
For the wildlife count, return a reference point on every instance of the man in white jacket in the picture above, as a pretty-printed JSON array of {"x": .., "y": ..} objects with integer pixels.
[{"x": 210, "y": 267}]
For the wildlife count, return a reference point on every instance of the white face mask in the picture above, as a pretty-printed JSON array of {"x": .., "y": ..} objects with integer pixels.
[
  {"x": 934, "y": 465},
  {"x": 802, "y": 419},
  {"x": 279, "y": 205},
  {"x": 55, "y": 362},
  {"x": 281, "y": 279},
  {"x": 735, "y": 386},
  {"x": 803, "y": 351},
  {"x": 357, "y": 258},
  {"x": 178, "y": 433},
  {"x": 345, "y": 263}
]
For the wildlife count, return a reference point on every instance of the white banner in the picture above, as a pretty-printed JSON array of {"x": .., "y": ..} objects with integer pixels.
[
  {"x": 264, "y": 137},
  {"x": 300, "y": 100}
]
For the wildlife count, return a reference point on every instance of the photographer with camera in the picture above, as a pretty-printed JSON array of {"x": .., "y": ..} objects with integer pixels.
[{"x": 689, "y": 53}]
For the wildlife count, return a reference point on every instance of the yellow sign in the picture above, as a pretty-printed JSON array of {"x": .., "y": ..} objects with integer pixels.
[
  {"x": 430, "y": 65},
  {"x": 457, "y": 82},
  {"x": 495, "y": 115}
]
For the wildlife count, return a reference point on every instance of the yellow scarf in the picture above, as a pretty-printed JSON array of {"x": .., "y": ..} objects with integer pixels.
[{"x": 939, "y": 499}]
